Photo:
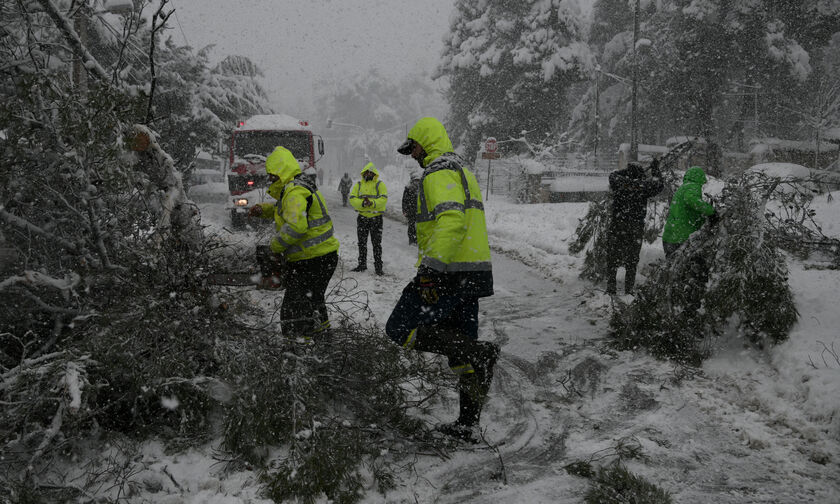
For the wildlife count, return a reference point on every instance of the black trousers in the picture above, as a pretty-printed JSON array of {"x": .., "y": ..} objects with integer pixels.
[
  {"x": 304, "y": 309},
  {"x": 344, "y": 198},
  {"x": 373, "y": 227},
  {"x": 625, "y": 247}
]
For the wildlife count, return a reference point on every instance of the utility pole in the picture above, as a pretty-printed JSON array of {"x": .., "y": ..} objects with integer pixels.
[
  {"x": 597, "y": 117},
  {"x": 634, "y": 137}
]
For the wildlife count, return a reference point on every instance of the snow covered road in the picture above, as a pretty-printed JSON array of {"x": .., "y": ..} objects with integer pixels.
[{"x": 718, "y": 434}]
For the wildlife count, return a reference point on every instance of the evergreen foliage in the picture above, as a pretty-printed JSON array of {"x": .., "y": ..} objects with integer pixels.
[
  {"x": 673, "y": 313},
  {"x": 712, "y": 68},
  {"x": 614, "y": 484},
  {"x": 509, "y": 65},
  {"x": 108, "y": 329},
  {"x": 591, "y": 236},
  {"x": 330, "y": 406}
]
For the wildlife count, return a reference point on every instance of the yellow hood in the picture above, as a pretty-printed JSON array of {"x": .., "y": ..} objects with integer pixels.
[
  {"x": 282, "y": 163},
  {"x": 371, "y": 168},
  {"x": 431, "y": 135}
]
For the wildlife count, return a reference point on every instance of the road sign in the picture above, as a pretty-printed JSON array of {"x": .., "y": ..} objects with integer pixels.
[
  {"x": 490, "y": 155},
  {"x": 490, "y": 145}
]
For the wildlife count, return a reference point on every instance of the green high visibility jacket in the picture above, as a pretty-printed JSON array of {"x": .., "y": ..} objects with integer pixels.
[
  {"x": 373, "y": 190},
  {"x": 451, "y": 229},
  {"x": 688, "y": 211},
  {"x": 303, "y": 224}
]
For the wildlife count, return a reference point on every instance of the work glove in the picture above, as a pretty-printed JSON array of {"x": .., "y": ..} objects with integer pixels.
[
  {"x": 367, "y": 203},
  {"x": 255, "y": 211},
  {"x": 428, "y": 283}
]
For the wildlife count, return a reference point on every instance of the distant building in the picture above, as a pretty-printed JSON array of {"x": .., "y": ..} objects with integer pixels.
[{"x": 822, "y": 155}]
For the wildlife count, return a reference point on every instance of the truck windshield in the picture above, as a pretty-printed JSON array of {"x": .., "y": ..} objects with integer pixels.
[{"x": 264, "y": 142}]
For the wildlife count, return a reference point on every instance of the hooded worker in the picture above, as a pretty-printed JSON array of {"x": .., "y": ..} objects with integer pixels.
[
  {"x": 686, "y": 215},
  {"x": 438, "y": 310},
  {"x": 304, "y": 238},
  {"x": 631, "y": 188},
  {"x": 688, "y": 211},
  {"x": 409, "y": 205},
  {"x": 369, "y": 197},
  {"x": 344, "y": 187}
]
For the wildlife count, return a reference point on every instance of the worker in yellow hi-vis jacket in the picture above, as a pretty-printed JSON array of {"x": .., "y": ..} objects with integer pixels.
[
  {"x": 369, "y": 198},
  {"x": 438, "y": 310},
  {"x": 304, "y": 239}
]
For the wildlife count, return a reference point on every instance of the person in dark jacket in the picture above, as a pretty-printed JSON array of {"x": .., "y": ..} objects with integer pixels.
[
  {"x": 344, "y": 187},
  {"x": 631, "y": 190},
  {"x": 409, "y": 207}
]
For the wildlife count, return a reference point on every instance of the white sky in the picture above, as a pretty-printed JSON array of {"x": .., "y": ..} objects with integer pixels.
[{"x": 299, "y": 42}]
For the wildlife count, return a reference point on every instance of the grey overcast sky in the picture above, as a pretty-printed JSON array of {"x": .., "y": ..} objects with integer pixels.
[{"x": 299, "y": 42}]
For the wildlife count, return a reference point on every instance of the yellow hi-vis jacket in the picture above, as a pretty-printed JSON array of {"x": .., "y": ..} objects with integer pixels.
[
  {"x": 451, "y": 229},
  {"x": 373, "y": 190},
  {"x": 303, "y": 224}
]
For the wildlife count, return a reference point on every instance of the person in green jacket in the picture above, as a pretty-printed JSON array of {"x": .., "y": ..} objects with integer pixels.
[
  {"x": 369, "y": 198},
  {"x": 686, "y": 215},
  {"x": 438, "y": 310},
  {"x": 688, "y": 211},
  {"x": 304, "y": 239}
]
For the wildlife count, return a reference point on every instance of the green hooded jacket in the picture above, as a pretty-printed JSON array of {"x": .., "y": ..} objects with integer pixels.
[
  {"x": 688, "y": 211},
  {"x": 304, "y": 227}
]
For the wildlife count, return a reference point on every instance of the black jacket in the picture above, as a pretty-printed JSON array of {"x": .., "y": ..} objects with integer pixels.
[
  {"x": 409, "y": 200},
  {"x": 631, "y": 191}
]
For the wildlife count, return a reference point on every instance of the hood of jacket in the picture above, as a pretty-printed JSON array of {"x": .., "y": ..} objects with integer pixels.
[
  {"x": 370, "y": 167},
  {"x": 431, "y": 135},
  {"x": 695, "y": 174},
  {"x": 282, "y": 163}
]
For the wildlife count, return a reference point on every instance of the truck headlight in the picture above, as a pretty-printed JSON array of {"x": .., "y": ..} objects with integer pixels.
[{"x": 241, "y": 202}]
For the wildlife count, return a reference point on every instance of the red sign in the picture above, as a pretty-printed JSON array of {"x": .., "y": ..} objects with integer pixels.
[{"x": 490, "y": 145}]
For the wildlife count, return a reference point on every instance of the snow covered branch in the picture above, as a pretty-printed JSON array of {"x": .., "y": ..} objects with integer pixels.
[
  {"x": 70, "y": 35},
  {"x": 32, "y": 228},
  {"x": 35, "y": 278}
]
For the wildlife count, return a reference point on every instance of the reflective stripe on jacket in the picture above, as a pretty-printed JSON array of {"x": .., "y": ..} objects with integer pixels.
[
  {"x": 304, "y": 227},
  {"x": 373, "y": 190},
  {"x": 451, "y": 229}
]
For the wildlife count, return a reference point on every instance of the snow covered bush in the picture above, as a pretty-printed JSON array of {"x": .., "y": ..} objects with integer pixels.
[
  {"x": 614, "y": 484},
  {"x": 674, "y": 312},
  {"x": 330, "y": 409}
]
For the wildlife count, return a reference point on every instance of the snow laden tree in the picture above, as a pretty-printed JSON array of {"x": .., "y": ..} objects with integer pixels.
[
  {"x": 675, "y": 315},
  {"x": 108, "y": 332},
  {"x": 724, "y": 70},
  {"x": 196, "y": 105},
  {"x": 509, "y": 65}
]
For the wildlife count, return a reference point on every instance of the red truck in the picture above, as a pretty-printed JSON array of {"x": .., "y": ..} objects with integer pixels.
[{"x": 250, "y": 143}]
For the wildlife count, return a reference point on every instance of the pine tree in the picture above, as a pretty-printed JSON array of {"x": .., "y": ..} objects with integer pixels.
[
  {"x": 510, "y": 65},
  {"x": 673, "y": 315}
]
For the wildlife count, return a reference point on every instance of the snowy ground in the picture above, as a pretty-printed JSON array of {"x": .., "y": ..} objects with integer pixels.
[{"x": 751, "y": 426}]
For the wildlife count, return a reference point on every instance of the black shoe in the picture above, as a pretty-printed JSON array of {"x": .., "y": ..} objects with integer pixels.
[
  {"x": 360, "y": 267},
  {"x": 380, "y": 272},
  {"x": 459, "y": 431}
]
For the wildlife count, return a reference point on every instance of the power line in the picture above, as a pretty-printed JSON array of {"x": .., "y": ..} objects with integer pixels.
[{"x": 179, "y": 23}]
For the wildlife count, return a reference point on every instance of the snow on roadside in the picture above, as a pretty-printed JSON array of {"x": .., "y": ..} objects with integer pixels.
[{"x": 751, "y": 426}]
